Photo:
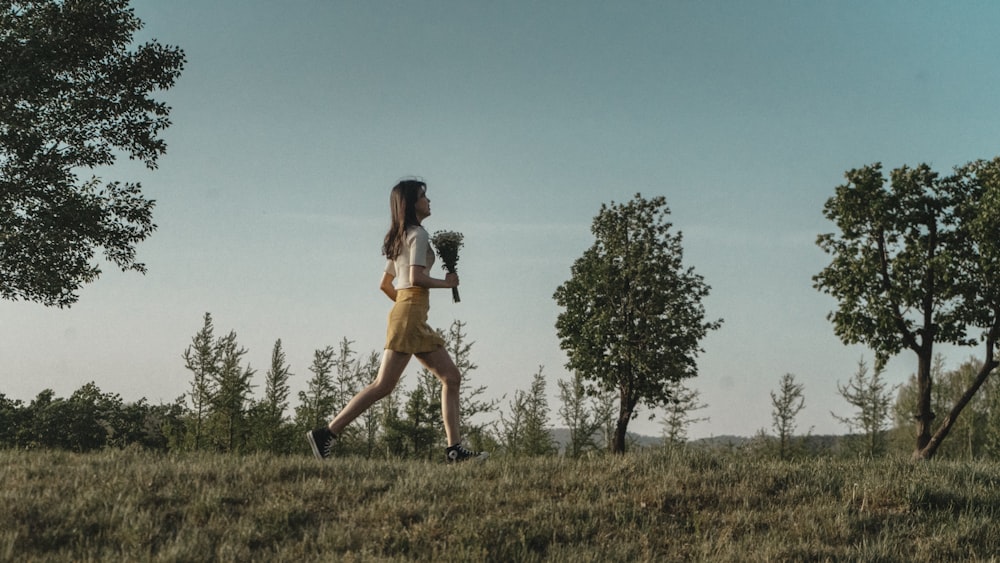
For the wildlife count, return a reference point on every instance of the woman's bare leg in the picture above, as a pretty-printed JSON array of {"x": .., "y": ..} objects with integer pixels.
[
  {"x": 389, "y": 372},
  {"x": 441, "y": 365}
]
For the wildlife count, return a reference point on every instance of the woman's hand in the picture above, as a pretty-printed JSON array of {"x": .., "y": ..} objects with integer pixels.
[{"x": 451, "y": 280}]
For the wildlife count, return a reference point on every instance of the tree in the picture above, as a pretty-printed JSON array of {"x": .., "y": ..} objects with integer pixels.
[
  {"x": 232, "y": 393},
  {"x": 84, "y": 422},
  {"x": 345, "y": 383},
  {"x": 156, "y": 427},
  {"x": 906, "y": 404},
  {"x": 11, "y": 420},
  {"x": 166, "y": 426},
  {"x": 988, "y": 419},
  {"x": 975, "y": 434},
  {"x": 43, "y": 423},
  {"x": 202, "y": 360},
  {"x": 605, "y": 408},
  {"x": 96, "y": 418},
  {"x": 318, "y": 401},
  {"x": 526, "y": 432},
  {"x": 421, "y": 429},
  {"x": 276, "y": 388},
  {"x": 678, "y": 417},
  {"x": 270, "y": 425},
  {"x": 73, "y": 96},
  {"x": 787, "y": 402},
  {"x": 974, "y": 191},
  {"x": 972, "y": 434},
  {"x": 581, "y": 421},
  {"x": 393, "y": 438},
  {"x": 633, "y": 318},
  {"x": 914, "y": 265},
  {"x": 872, "y": 397}
]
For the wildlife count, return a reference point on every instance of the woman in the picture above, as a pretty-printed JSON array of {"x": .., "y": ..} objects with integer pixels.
[{"x": 406, "y": 282}]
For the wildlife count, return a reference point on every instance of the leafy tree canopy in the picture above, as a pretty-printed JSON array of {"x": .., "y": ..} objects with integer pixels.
[
  {"x": 73, "y": 96},
  {"x": 632, "y": 315},
  {"x": 916, "y": 263}
]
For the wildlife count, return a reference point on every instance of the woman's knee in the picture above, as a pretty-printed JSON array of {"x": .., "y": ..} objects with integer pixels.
[
  {"x": 442, "y": 366},
  {"x": 451, "y": 378},
  {"x": 381, "y": 389}
]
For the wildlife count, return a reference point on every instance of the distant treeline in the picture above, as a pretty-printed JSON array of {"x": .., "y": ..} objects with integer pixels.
[{"x": 220, "y": 414}]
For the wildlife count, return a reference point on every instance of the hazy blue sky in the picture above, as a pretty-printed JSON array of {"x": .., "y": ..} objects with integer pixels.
[{"x": 293, "y": 120}]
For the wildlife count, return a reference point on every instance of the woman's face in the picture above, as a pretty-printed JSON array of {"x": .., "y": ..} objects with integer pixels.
[{"x": 423, "y": 206}]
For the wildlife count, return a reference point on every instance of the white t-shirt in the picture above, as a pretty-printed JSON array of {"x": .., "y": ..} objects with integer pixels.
[{"x": 417, "y": 252}]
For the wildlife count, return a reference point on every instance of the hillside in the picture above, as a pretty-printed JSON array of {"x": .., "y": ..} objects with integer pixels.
[{"x": 657, "y": 505}]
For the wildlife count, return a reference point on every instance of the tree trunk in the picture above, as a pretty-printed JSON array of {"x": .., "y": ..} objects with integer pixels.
[
  {"x": 621, "y": 431},
  {"x": 621, "y": 427},
  {"x": 924, "y": 414},
  {"x": 930, "y": 448}
]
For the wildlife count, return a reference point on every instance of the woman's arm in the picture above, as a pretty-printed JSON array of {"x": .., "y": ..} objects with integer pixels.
[
  {"x": 419, "y": 278},
  {"x": 386, "y": 286}
]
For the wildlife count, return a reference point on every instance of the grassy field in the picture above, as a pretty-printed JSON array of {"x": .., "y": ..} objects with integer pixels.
[{"x": 648, "y": 506}]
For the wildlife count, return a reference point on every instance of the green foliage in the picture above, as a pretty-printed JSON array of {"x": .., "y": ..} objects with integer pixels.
[
  {"x": 346, "y": 383},
  {"x": 92, "y": 414},
  {"x": 419, "y": 435},
  {"x": 42, "y": 421},
  {"x": 670, "y": 505},
  {"x": 915, "y": 264},
  {"x": 606, "y": 408},
  {"x": 974, "y": 435},
  {"x": 74, "y": 96},
  {"x": 580, "y": 418},
  {"x": 231, "y": 398},
  {"x": 219, "y": 413},
  {"x": 88, "y": 420},
  {"x": 163, "y": 426},
  {"x": 872, "y": 399},
  {"x": 892, "y": 271},
  {"x": 83, "y": 422},
  {"x": 10, "y": 420},
  {"x": 526, "y": 430},
  {"x": 421, "y": 428},
  {"x": 220, "y": 390},
  {"x": 201, "y": 359},
  {"x": 679, "y": 417},
  {"x": 270, "y": 430},
  {"x": 787, "y": 402},
  {"x": 392, "y": 442},
  {"x": 632, "y": 316},
  {"x": 974, "y": 195},
  {"x": 320, "y": 398}
]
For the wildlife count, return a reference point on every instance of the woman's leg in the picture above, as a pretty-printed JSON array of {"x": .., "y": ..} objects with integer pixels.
[
  {"x": 440, "y": 364},
  {"x": 389, "y": 372}
]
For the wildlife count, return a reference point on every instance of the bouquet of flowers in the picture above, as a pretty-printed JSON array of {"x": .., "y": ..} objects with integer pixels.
[{"x": 447, "y": 244}]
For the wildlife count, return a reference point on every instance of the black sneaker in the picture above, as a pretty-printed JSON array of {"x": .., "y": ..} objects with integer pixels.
[
  {"x": 458, "y": 453},
  {"x": 321, "y": 440}
]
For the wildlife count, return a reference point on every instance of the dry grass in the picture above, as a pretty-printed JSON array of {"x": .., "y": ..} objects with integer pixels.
[{"x": 648, "y": 506}]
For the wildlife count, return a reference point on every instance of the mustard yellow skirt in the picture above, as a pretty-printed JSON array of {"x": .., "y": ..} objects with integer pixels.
[{"x": 408, "y": 330}]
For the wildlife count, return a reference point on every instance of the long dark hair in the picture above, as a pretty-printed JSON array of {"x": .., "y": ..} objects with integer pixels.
[{"x": 402, "y": 209}]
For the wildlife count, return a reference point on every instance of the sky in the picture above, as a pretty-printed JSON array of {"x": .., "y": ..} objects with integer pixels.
[{"x": 292, "y": 121}]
